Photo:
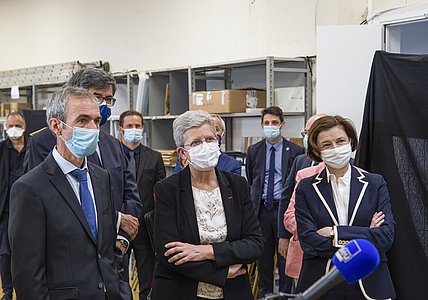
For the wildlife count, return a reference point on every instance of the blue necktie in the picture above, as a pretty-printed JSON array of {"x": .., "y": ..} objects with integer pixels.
[
  {"x": 86, "y": 199},
  {"x": 271, "y": 180}
]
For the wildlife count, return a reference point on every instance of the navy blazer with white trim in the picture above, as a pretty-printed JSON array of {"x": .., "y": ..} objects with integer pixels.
[{"x": 315, "y": 209}]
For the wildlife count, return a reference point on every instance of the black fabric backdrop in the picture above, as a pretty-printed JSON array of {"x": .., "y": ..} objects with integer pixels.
[{"x": 394, "y": 143}]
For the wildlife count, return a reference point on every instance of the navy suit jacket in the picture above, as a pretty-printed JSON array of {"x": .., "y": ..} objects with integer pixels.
[
  {"x": 315, "y": 209},
  {"x": 255, "y": 166},
  {"x": 54, "y": 254},
  {"x": 4, "y": 174},
  {"x": 150, "y": 170},
  {"x": 125, "y": 192}
]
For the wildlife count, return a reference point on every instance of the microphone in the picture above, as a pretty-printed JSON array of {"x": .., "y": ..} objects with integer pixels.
[{"x": 355, "y": 261}]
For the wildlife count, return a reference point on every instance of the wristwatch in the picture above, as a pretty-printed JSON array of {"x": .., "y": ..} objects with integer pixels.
[
  {"x": 332, "y": 233},
  {"x": 124, "y": 243}
]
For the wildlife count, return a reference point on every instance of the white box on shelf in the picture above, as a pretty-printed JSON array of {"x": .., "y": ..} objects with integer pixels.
[{"x": 290, "y": 99}]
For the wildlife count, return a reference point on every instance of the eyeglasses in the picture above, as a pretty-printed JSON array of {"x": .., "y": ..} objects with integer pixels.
[
  {"x": 199, "y": 142},
  {"x": 109, "y": 100}
]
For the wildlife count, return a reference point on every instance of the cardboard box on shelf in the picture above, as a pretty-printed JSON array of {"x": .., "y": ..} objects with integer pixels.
[
  {"x": 8, "y": 107},
  {"x": 227, "y": 101}
]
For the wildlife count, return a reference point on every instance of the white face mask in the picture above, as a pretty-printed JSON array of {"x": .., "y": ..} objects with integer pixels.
[
  {"x": 205, "y": 156},
  {"x": 15, "y": 132},
  {"x": 338, "y": 157}
]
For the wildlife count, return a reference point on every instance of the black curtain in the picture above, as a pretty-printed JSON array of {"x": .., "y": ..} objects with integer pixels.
[{"x": 394, "y": 143}]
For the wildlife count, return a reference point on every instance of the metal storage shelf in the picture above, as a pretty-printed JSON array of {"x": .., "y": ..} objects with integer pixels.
[{"x": 262, "y": 73}]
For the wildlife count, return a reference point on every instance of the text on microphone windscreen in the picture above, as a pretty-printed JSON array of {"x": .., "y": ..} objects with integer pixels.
[{"x": 356, "y": 260}]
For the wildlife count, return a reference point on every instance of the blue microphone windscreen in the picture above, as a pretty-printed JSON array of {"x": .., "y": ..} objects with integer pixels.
[{"x": 356, "y": 260}]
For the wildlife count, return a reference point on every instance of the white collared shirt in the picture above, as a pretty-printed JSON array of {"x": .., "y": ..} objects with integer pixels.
[
  {"x": 341, "y": 192},
  {"x": 67, "y": 167}
]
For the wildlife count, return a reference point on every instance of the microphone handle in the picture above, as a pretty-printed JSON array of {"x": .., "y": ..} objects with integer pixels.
[{"x": 320, "y": 287}]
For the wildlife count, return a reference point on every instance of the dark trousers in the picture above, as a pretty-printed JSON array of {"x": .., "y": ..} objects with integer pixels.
[
  {"x": 269, "y": 224},
  {"x": 145, "y": 259},
  {"x": 123, "y": 272},
  {"x": 5, "y": 270}
]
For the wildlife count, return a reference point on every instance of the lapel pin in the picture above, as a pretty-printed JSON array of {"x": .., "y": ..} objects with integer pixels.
[
  {"x": 229, "y": 198},
  {"x": 288, "y": 148}
]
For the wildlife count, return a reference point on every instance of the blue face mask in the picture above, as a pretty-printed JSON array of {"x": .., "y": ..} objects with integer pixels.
[
  {"x": 133, "y": 135},
  {"x": 271, "y": 132},
  {"x": 305, "y": 141},
  {"x": 105, "y": 113},
  {"x": 83, "y": 142}
]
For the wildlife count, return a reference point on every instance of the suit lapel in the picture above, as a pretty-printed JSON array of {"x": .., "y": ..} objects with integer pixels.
[
  {"x": 98, "y": 194},
  {"x": 61, "y": 184},
  {"x": 102, "y": 146},
  {"x": 262, "y": 160},
  {"x": 324, "y": 192},
  {"x": 285, "y": 156},
  {"x": 143, "y": 162},
  {"x": 187, "y": 202},
  {"x": 358, "y": 188},
  {"x": 227, "y": 199}
]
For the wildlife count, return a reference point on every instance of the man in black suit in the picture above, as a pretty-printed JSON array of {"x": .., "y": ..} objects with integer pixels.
[
  {"x": 12, "y": 151},
  {"x": 110, "y": 156},
  {"x": 62, "y": 218},
  {"x": 268, "y": 164},
  {"x": 301, "y": 162},
  {"x": 148, "y": 168}
]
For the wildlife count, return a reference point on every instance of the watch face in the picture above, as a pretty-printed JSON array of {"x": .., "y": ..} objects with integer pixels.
[{"x": 124, "y": 243}]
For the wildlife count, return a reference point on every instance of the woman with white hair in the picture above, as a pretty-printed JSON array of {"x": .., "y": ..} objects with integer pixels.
[{"x": 206, "y": 230}]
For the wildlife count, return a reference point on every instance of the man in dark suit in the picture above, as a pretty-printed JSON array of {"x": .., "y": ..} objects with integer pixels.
[
  {"x": 301, "y": 162},
  {"x": 12, "y": 151},
  {"x": 62, "y": 218},
  {"x": 110, "y": 156},
  {"x": 268, "y": 164},
  {"x": 148, "y": 168}
]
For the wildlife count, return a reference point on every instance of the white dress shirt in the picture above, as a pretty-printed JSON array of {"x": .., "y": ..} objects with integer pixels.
[{"x": 341, "y": 188}]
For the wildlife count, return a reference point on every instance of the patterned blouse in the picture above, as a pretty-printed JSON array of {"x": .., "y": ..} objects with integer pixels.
[{"x": 212, "y": 229}]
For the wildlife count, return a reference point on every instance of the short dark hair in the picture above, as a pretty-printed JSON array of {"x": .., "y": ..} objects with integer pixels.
[
  {"x": 273, "y": 110},
  {"x": 92, "y": 78},
  {"x": 326, "y": 123},
  {"x": 127, "y": 113}
]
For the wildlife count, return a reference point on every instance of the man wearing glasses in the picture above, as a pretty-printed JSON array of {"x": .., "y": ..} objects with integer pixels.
[{"x": 108, "y": 155}]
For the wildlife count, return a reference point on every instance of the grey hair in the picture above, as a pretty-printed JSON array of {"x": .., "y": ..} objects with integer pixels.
[
  {"x": 92, "y": 78},
  {"x": 223, "y": 125},
  {"x": 57, "y": 102},
  {"x": 187, "y": 120}
]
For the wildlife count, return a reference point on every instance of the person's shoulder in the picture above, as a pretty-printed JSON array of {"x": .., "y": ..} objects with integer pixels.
[
  {"x": 373, "y": 177},
  {"x": 256, "y": 146},
  {"x": 293, "y": 146},
  {"x": 302, "y": 159},
  {"x": 228, "y": 159},
  {"x": 42, "y": 135},
  {"x": 169, "y": 183},
  {"x": 36, "y": 175},
  {"x": 150, "y": 150},
  {"x": 3, "y": 143},
  {"x": 106, "y": 136}
]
